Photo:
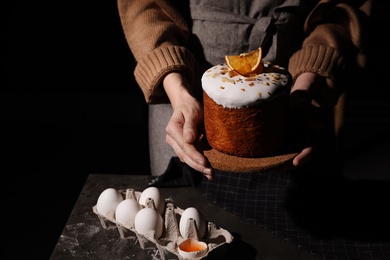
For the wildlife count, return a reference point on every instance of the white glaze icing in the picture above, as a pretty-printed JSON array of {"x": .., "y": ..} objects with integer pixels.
[{"x": 239, "y": 91}]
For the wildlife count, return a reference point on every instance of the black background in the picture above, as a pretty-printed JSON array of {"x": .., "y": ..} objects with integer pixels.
[{"x": 70, "y": 106}]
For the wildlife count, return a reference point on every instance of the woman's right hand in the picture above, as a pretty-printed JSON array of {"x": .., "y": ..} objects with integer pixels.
[{"x": 182, "y": 134}]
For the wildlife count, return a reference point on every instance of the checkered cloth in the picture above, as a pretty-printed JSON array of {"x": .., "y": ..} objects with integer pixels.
[{"x": 330, "y": 217}]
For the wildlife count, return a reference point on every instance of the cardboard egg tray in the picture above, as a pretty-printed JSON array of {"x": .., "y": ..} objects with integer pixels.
[{"x": 167, "y": 244}]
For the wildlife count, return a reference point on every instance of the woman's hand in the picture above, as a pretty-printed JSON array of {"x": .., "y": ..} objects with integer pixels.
[
  {"x": 307, "y": 106},
  {"x": 182, "y": 134}
]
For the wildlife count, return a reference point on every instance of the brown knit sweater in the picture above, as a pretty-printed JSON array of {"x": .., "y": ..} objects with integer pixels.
[{"x": 158, "y": 35}]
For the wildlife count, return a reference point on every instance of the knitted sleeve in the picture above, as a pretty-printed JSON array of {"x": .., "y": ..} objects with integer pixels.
[
  {"x": 157, "y": 35},
  {"x": 152, "y": 68},
  {"x": 333, "y": 40}
]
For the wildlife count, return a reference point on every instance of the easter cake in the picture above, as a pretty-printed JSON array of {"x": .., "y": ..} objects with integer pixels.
[{"x": 246, "y": 106}]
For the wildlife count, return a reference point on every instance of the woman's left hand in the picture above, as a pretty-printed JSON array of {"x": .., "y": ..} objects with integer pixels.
[{"x": 307, "y": 114}]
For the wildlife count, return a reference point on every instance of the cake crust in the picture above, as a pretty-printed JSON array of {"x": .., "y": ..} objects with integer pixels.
[{"x": 251, "y": 132}]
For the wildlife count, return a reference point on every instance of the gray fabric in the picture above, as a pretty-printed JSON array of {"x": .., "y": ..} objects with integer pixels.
[
  {"x": 229, "y": 27},
  {"x": 234, "y": 27},
  {"x": 159, "y": 151}
]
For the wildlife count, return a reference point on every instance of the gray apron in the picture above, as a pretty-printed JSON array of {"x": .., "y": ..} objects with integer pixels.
[{"x": 231, "y": 27}]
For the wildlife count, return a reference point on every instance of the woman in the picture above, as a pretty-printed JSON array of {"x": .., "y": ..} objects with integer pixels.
[{"x": 320, "y": 42}]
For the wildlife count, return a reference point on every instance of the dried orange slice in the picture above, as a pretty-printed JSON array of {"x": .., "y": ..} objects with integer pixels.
[{"x": 246, "y": 64}]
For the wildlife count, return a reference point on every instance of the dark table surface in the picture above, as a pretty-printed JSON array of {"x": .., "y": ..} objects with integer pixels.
[{"x": 84, "y": 237}]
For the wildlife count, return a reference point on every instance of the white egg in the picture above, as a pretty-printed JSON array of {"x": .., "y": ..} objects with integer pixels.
[
  {"x": 200, "y": 223},
  {"x": 155, "y": 194},
  {"x": 108, "y": 201},
  {"x": 148, "y": 219},
  {"x": 126, "y": 211}
]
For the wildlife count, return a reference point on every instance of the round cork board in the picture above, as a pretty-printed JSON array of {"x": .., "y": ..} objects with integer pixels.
[{"x": 231, "y": 163}]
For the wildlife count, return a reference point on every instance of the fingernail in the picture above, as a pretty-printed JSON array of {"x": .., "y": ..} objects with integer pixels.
[{"x": 207, "y": 171}]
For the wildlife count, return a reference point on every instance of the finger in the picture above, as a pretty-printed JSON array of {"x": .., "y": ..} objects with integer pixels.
[
  {"x": 303, "y": 157},
  {"x": 189, "y": 131},
  {"x": 184, "y": 157},
  {"x": 174, "y": 129},
  {"x": 286, "y": 167},
  {"x": 186, "y": 149},
  {"x": 191, "y": 122}
]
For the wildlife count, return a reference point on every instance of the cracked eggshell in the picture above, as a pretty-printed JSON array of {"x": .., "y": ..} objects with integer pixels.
[
  {"x": 108, "y": 200},
  {"x": 192, "y": 248}
]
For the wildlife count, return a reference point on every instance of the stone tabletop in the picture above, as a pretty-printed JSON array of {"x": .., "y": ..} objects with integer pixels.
[{"x": 84, "y": 237}]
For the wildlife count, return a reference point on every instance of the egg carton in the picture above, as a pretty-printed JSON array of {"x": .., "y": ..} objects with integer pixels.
[{"x": 171, "y": 238}]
